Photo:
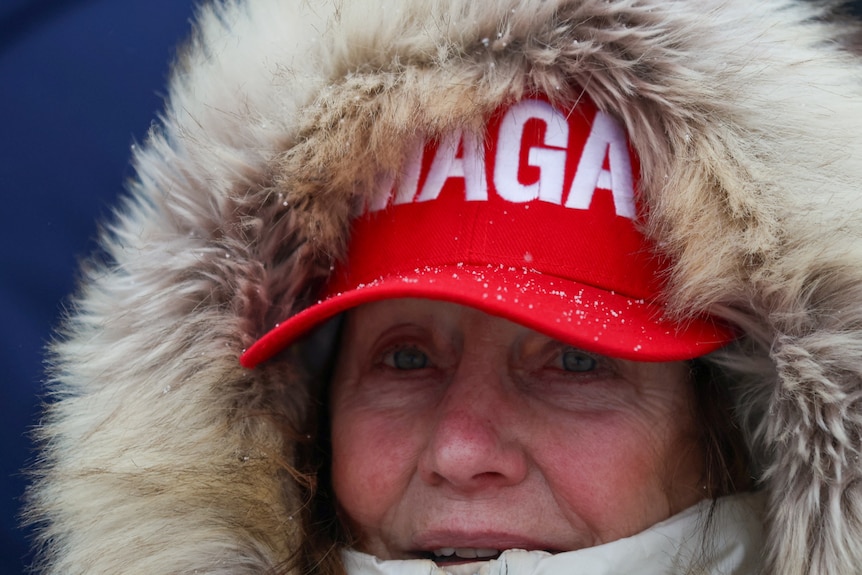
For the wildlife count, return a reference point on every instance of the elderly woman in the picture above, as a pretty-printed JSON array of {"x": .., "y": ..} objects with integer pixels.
[{"x": 476, "y": 287}]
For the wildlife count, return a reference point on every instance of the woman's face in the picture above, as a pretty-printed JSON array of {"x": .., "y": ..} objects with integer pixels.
[{"x": 456, "y": 430}]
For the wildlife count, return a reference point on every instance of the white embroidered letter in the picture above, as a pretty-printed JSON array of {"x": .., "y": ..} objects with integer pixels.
[
  {"x": 606, "y": 137},
  {"x": 447, "y": 164},
  {"x": 550, "y": 159},
  {"x": 380, "y": 198},
  {"x": 409, "y": 180},
  {"x": 405, "y": 184}
]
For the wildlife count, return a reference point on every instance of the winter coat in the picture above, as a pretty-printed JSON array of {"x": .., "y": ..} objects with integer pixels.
[{"x": 161, "y": 454}]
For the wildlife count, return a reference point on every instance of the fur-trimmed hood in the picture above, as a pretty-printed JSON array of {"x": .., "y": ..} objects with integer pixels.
[{"x": 161, "y": 454}]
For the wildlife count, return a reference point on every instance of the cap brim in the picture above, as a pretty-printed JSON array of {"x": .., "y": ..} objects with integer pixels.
[{"x": 584, "y": 316}]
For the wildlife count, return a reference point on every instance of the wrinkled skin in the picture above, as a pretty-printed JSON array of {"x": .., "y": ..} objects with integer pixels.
[{"x": 455, "y": 429}]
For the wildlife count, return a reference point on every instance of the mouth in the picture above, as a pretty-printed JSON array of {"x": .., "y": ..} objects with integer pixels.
[
  {"x": 459, "y": 555},
  {"x": 447, "y": 547},
  {"x": 451, "y": 555}
]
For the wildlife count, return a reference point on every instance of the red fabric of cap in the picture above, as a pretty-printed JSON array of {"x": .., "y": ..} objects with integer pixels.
[{"x": 535, "y": 223}]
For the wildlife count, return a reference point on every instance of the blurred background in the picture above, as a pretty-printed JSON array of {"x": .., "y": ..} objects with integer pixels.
[{"x": 80, "y": 82}]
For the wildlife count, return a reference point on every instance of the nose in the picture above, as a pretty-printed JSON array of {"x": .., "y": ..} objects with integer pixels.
[{"x": 473, "y": 444}]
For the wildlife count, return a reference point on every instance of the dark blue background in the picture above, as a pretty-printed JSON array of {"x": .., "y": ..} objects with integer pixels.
[{"x": 80, "y": 81}]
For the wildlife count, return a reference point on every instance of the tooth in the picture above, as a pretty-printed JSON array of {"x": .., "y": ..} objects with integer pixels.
[
  {"x": 444, "y": 552},
  {"x": 466, "y": 553},
  {"x": 486, "y": 552}
]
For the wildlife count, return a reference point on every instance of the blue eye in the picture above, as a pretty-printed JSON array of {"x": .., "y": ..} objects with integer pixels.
[
  {"x": 407, "y": 358},
  {"x": 577, "y": 361}
]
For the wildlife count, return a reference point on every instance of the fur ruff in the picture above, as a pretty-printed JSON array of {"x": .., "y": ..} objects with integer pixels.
[{"x": 162, "y": 455}]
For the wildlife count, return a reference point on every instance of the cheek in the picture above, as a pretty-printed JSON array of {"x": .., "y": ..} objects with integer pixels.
[
  {"x": 618, "y": 474},
  {"x": 371, "y": 465}
]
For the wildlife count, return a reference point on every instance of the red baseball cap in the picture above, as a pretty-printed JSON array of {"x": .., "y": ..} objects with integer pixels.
[{"x": 533, "y": 220}]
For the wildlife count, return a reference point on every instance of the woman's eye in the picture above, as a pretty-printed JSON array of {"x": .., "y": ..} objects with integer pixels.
[
  {"x": 406, "y": 358},
  {"x": 577, "y": 361}
]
